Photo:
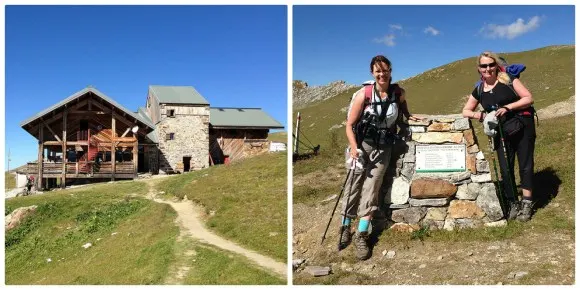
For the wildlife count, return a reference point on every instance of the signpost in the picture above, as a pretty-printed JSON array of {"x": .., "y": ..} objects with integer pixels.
[{"x": 440, "y": 158}]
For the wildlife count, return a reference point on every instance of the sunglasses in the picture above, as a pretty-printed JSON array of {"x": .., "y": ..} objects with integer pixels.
[{"x": 486, "y": 65}]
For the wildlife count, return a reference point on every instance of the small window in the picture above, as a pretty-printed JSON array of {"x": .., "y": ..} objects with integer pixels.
[
  {"x": 171, "y": 113},
  {"x": 170, "y": 136}
]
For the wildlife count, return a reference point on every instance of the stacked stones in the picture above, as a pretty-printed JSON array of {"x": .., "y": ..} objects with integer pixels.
[
  {"x": 191, "y": 138},
  {"x": 442, "y": 200}
]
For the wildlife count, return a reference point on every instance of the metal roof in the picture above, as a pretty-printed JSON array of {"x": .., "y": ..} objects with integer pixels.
[
  {"x": 177, "y": 95},
  {"x": 153, "y": 135},
  {"x": 80, "y": 94},
  {"x": 242, "y": 117}
]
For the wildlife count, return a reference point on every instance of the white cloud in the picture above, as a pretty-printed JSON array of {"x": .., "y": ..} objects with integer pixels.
[
  {"x": 388, "y": 40},
  {"x": 395, "y": 27},
  {"x": 510, "y": 31},
  {"x": 432, "y": 30}
]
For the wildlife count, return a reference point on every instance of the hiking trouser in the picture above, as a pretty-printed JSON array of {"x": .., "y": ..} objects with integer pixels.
[
  {"x": 522, "y": 143},
  {"x": 363, "y": 185}
]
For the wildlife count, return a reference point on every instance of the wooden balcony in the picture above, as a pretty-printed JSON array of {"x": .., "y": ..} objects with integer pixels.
[{"x": 84, "y": 170}]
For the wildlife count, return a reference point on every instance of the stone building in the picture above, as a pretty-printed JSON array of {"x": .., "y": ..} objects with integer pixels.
[
  {"x": 89, "y": 135},
  {"x": 181, "y": 118},
  {"x": 190, "y": 135}
]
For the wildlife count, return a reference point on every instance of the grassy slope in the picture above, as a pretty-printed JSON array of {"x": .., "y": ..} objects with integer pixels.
[
  {"x": 549, "y": 76},
  {"x": 215, "y": 267},
  {"x": 554, "y": 165},
  {"x": 278, "y": 137},
  {"x": 139, "y": 253},
  {"x": 144, "y": 250},
  {"x": 249, "y": 199},
  {"x": 554, "y": 162}
]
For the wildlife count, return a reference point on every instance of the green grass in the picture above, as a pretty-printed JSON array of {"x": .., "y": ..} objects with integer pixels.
[
  {"x": 249, "y": 200},
  {"x": 210, "y": 266},
  {"x": 139, "y": 253},
  {"x": 9, "y": 181},
  {"x": 278, "y": 137}
]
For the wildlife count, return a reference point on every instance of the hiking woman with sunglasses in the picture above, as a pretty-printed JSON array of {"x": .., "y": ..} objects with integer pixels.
[
  {"x": 370, "y": 130},
  {"x": 511, "y": 102}
]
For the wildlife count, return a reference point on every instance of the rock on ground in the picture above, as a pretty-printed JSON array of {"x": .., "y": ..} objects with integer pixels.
[{"x": 17, "y": 216}]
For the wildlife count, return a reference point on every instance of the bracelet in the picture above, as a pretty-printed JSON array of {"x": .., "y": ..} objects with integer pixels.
[{"x": 506, "y": 108}]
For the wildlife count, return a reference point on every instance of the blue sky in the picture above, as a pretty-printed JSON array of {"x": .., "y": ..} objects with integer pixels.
[
  {"x": 235, "y": 56},
  {"x": 337, "y": 42}
]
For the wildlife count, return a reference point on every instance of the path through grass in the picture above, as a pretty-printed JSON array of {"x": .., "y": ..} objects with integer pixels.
[
  {"x": 245, "y": 202},
  {"x": 132, "y": 238}
]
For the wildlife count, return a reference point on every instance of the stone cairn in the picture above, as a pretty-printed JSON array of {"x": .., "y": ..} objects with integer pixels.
[{"x": 447, "y": 200}]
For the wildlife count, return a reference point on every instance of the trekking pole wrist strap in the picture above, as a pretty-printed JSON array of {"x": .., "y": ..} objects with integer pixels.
[{"x": 506, "y": 108}]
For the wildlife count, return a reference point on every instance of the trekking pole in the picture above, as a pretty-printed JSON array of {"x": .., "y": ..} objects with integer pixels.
[
  {"x": 336, "y": 204},
  {"x": 359, "y": 139},
  {"x": 507, "y": 161},
  {"x": 502, "y": 201},
  {"x": 353, "y": 164}
]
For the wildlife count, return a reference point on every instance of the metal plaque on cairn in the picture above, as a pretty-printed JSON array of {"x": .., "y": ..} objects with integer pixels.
[{"x": 440, "y": 158}]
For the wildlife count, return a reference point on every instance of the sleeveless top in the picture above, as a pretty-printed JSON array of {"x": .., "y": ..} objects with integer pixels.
[{"x": 376, "y": 107}]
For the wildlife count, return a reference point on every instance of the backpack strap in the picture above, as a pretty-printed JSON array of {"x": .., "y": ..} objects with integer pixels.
[
  {"x": 368, "y": 93},
  {"x": 479, "y": 91}
]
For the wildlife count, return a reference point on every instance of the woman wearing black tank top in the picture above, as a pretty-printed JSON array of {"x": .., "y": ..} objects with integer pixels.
[{"x": 496, "y": 94}]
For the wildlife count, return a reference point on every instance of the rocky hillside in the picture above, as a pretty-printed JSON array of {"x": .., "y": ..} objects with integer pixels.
[{"x": 303, "y": 95}]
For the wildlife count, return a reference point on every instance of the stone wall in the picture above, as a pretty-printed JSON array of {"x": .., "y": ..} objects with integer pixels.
[
  {"x": 446, "y": 200},
  {"x": 191, "y": 138}
]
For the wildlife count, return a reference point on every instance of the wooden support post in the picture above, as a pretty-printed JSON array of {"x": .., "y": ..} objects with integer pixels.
[
  {"x": 135, "y": 154},
  {"x": 113, "y": 145},
  {"x": 125, "y": 133},
  {"x": 40, "y": 157},
  {"x": 64, "y": 155}
]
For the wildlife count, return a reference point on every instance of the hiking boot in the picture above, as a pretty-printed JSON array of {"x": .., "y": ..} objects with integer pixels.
[
  {"x": 514, "y": 210},
  {"x": 345, "y": 237},
  {"x": 526, "y": 211},
  {"x": 362, "y": 248}
]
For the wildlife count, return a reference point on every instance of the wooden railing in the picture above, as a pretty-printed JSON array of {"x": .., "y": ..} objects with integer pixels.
[{"x": 72, "y": 168}]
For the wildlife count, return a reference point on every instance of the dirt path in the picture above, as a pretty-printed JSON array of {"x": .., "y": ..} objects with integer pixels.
[
  {"x": 190, "y": 222},
  {"x": 558, "y": 109}
]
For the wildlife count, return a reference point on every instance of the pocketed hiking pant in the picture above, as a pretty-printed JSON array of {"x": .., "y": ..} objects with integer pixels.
[
  {"x": 522, "y": 143},
  {"x": 361, "y": 192}
]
